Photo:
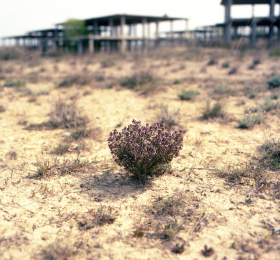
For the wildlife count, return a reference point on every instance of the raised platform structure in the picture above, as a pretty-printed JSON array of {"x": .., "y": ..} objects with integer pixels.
[
  {"x": 258, "y": 25},
  {"x": 118, "y": 32}
]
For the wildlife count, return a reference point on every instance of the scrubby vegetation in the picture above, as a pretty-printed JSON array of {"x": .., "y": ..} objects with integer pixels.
[
  {"x": 155, "y": 192},
  {"x": 141, "y": 150}
]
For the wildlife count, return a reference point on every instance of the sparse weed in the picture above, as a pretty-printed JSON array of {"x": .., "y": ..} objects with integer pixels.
[
  {"x": 144, "y": 81},
  {"x": 275, "y": 52},
  {"x": 16, "y": 83},
  {"x": 167, "y": 232},
  {"x": 61, "y": 149},
  {"x": 270, "y": 154},
  {"x": 102, "y": 216},
  {"x": 188, "y": 95},
  {"x": 84, "y": 132},
  {"x": 166, "y": 119},
  {"x": 237, "y": 174},
  {"x": 57, "y": 251},
  {"x": 2, "y": 109},
  {"x": 167, "y": 206},
  {"x": 217, "y": 110},
  {"x": 107, "y": 63},
  {"x": 223, "y": 90},
  {"x": 65, "y": 114},
  {"x": 48, "y": 167},
  {"x": 248, "y": 121},
  {"x": 78, "y": 79}
]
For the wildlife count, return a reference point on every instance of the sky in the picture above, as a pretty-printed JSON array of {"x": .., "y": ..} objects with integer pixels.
[{"x": 17, "y": 17}]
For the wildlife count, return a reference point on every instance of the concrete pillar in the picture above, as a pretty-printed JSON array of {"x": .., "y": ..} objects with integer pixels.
[
  {"x": 272, "y": 8},
  {"x": 91, "y": 45},
  {"x": 96, "y": 31},
  {"x": 271, "y": 14},
  {"x": 144, "y": 21},
  {"x": 227, "y": 29},
  {"x": 80, "y": 47},
  {"x": 253, "y": 10},
  {"x": 187, "y": 28},
  {"x": 157, "y": 29},
  {"x": 111, "y": 25},
  {"x": 123, "y": 40},
  {"x": 235, "y": 32},
  {"x": 171, "y": 33},
  {"x": 253, "y": 33}
]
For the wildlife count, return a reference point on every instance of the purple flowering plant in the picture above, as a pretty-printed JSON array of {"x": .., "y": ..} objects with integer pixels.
[{"x": 143, "y": 149}]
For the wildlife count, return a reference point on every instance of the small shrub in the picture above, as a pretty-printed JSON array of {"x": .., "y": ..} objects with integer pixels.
[
  {"x": 275, "y": 52},
  {"x": 270, "y": 154},
  {"x": 233, "y": 71},
  {"x": 225, "y": 65},
  {"x": 273, "y": 83},
  {"x": 11, "y": 53},
  {"x": 176, "y": 82},
  {"x": 188, "y": 94},
  {"x": 61, "y": 149},
  {"x": 254, "y": 64},
  {"x": 16, "y": 83},
  {"x": 65, "y": 114},
  {"x": 223, "y": 90},
  {"x": 250, "y": 120},
  {"x": 107, "y": 63},
  {"x": 84, "y": 132},
  {"x": 143, "y": 149},
  {"x": 57, "y": 251},
  {"x": 217, "y": 110},
  {"x": 212, "y": 62},
  {"x": 139, "y": 81},
  {"x": 78, "y": 79},
  {"x": 269, "y": 105},
  {"x": 2, "y": 109}
]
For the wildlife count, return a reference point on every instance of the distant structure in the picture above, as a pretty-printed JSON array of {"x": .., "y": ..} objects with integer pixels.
[
  {"x": 260, "y": 27},
  {"x": 118, "y": 32}
]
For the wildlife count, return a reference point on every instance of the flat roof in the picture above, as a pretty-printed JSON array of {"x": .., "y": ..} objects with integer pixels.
[
  {"x": 261, "y": 21},
  {"x": 249, "y": 2},
  {"x": 129, "y": 19}
]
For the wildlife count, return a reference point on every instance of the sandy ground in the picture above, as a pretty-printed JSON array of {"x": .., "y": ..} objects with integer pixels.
[{"x": 188, "y": 209}]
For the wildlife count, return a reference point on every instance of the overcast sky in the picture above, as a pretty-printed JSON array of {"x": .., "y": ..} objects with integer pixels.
[{"x": 20, "y": 16}]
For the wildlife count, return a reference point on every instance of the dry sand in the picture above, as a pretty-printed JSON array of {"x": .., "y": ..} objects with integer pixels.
[{"x": 56, "y": 216}]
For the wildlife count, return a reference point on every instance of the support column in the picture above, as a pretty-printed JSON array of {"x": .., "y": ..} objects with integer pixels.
[
  {"x": 96, "y": 31},
  {"x": 171, "y": 32},
  {"x": 227, "y": 29},
  {"x": 91, "y": 45},
  {"x": 123, "y": 40},
  {"x": 187, "y": 28},
  {"x": 271, "y": 14},
  {"x": 144, "y": 21},
  {"x": 148, "y": 35},
  {"x": 157, "y": 33},
  {"x": 80, "y": 47},
  {"x": 271, "y": 8},
  {"x": 253, "y": 33}
]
